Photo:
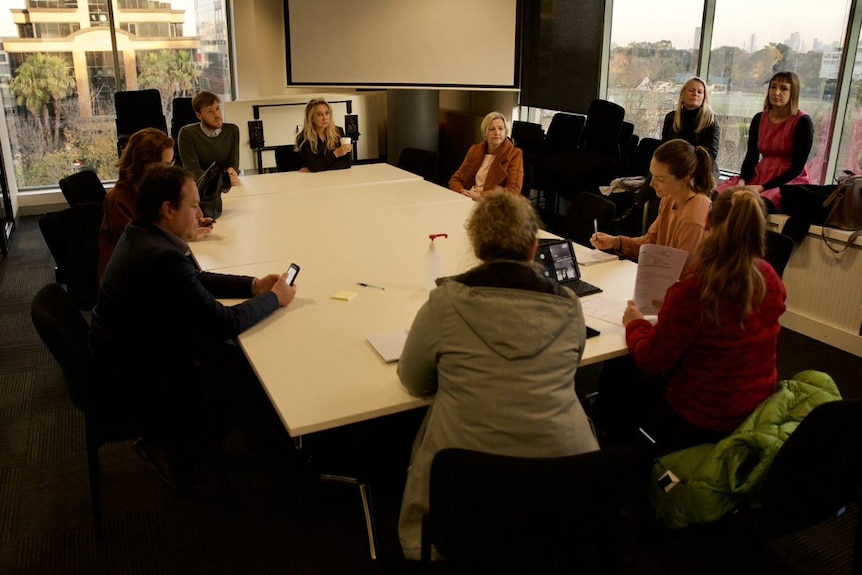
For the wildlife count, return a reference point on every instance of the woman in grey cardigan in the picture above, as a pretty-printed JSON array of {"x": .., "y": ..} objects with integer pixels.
[{"x": 498, "y": 347}]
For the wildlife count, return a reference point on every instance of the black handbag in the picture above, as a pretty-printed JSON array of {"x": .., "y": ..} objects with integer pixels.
[{"x": 211, "y": 185}]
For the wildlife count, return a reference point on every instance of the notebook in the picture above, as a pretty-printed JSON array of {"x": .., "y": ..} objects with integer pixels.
[{"x": 558, "y": 260}]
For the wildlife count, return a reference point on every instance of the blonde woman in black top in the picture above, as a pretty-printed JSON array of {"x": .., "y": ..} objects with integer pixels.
[{"x": 319, "y": 142}]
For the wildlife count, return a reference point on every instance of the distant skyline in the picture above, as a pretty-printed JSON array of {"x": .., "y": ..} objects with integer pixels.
[{"x": 735, "y": 21}]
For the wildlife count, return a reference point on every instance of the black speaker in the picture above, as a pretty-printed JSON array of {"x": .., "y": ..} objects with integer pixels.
[
  {"x": 255, "y": 133},
  {"x": 351, "y": 126}
]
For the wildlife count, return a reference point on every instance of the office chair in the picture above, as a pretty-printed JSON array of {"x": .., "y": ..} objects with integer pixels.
[
  {"x": 639, "y": 208},
  {"x": 527, "y": 183},
  {"x": 420, "y": 162},
  {"x": 83, "y": 187},
  {"x": 816, "y": 474},
  {"x": 182, "y": 114},
  {"x": 72, "y": 236},
  {"x": 564, "y": 133},
  {"x": 501, "y": 514},
  {"x": 778, "y": 248},
  {"x": 65, "y": 332},
  {"x": 596, "y": 160},
  {"x": 137, "y": 109},
  {"x": 586, "y": 212},
  {"x": 529, "y": 137},
  {"x": 287, "y": 159},
  {"x": 628, "y": 142}
]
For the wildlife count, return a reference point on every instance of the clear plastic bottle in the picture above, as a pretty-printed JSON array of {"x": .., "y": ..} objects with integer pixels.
[{"x": 433, "y": 262}]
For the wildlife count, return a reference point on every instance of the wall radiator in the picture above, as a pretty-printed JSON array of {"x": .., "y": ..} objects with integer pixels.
[{"x": 824, "y": 291}]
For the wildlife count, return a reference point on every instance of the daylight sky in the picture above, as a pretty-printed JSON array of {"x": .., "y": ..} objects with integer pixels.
[{"x": 735, "y": 22}]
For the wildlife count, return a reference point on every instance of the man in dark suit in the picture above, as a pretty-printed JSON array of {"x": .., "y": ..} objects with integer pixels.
[{"x": 162, "y": 338}]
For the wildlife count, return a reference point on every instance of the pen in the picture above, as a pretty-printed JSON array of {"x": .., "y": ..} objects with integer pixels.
[
  {"x": 363, "y": 284},
  {"x": 596, "y": 225}
]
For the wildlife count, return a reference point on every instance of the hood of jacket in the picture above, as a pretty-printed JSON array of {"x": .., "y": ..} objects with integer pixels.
[{"x": 515, "y": 311}]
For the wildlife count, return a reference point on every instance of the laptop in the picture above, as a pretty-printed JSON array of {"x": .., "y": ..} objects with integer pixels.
[{"x": 558, "y": 261}]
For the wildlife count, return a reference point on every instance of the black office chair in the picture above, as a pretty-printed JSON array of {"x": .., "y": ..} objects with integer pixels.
[
  {"x": 498, "y": 514},
  {"x": 627, "y": 142},
  {"x": 72, "y": 236},
  {"x": 586, "y": 212},
  {"x": 64, "y": 331},
  {"x": 815, "y": 475},
  {"x": 138, "y": 109},
  {"x": 639, "y": 208},
  {"x": 529, "y": 137},
  {"x": 597, "y": 159},
  {"x": 182, "y": 114},
  {"x": 83, "y": 187},
  {"x": 527, "y": 183},
  {"x": 778, "y": 248},
  {"x": 564, "y": 133},
  {"x": 420, "y": 162},
  {"x": 287, "y": 159}
]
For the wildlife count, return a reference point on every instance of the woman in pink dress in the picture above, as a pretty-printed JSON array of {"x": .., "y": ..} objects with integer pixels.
[{"x": 779, "y": 141}]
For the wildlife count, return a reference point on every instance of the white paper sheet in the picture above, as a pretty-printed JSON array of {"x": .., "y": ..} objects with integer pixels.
[{"x": 388, "y": 345}]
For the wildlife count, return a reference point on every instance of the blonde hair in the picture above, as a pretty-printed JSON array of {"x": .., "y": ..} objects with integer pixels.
[
  {"x": 727, "y": 255},
  {"x": 705, "y": 118},
  {"x": 795, "y": 86},
  {"x": 503, "y": 226},
  {"x": 684, "y": 160},
  {"x": 486, "y": 123},
  {"x": 309, "y": 132}
]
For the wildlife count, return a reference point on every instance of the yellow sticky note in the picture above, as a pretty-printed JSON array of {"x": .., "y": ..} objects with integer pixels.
[{"x": 344, "y": 295}]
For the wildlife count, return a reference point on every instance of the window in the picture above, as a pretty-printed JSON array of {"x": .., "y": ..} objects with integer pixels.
[
  {"x": 744, "y": 58},
  {"x": 653, "y": 52},
  {"x": 71, "y": 124},
  {"x": 850, "y": 147},
  {"x": 655, "y": 48}
]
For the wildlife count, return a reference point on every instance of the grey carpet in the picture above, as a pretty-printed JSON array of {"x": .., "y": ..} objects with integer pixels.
[{"x": 269, "y": 517}]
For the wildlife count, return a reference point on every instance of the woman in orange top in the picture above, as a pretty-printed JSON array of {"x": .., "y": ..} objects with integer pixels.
[{"x": 494, "y": 163}]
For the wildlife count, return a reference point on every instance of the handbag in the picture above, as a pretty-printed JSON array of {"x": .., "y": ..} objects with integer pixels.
[
  {"x": 845, "y": 211},
  {"x": 211, "y": 185}
]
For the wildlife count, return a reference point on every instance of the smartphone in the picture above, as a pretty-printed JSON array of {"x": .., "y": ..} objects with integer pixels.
[{"x": 292, "y": 272}]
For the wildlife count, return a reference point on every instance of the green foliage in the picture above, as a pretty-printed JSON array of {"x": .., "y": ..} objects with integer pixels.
[
  {"x": 40, "y": 80},
  {"x": 173, "y": 73}
]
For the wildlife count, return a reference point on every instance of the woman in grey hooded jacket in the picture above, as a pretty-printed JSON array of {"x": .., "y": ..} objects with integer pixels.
[{"x": 498, "y": 347}]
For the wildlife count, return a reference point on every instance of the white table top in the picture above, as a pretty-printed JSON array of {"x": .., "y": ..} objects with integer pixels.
[
  {"x": 363, "y": 174},
  {"x": 312, "y": 357}
]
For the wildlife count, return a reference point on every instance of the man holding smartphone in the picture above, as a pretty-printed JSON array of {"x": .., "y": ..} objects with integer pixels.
[{"x": 162, "y": 338}]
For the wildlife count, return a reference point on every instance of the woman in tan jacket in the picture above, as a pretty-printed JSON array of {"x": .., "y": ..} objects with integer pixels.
[{"x": 492, "y": 164}]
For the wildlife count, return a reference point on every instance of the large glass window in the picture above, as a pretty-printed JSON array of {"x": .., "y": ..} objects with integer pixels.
[
  {"x": 654, "y": 50},
  {"x": 64, "y": 120},
  {"x": 753, "y": 40},
  {"x": 850, "y": 148}
]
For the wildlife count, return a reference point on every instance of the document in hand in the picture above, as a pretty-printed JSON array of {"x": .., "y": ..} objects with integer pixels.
[{"x": 659, "y": 267}]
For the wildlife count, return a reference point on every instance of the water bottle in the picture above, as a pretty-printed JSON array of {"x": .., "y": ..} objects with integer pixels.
[{"x": 433, "y": 262}]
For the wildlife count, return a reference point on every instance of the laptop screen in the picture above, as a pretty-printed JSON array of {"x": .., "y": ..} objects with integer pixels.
[{"x": 558, "y": 260}]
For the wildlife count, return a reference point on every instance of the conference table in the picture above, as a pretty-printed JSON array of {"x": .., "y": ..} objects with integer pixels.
[
  {"x": 312, "y": 357},
  {"x": 366, "y": 225}
]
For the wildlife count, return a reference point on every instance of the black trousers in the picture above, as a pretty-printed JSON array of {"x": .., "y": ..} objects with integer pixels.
[
  {"x": 189, "y": 411},
  {"x": 632, "y": 410}
]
